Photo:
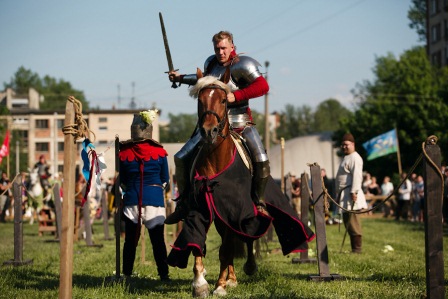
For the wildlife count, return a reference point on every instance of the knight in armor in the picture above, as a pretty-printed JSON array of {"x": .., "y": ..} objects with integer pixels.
[
  {"x": 44, "y": 173},
  {"x": 246, "y": 82}
]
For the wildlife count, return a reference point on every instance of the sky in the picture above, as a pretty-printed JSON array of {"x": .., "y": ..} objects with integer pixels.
[{"x": 113, "y": 50}]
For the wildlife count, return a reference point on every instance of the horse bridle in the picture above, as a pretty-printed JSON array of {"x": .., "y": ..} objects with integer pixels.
[{"x": 221, "y": 122}]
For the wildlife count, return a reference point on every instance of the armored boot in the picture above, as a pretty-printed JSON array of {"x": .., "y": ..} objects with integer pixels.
[
  {"x": 182, "y": 205},
  {"x": 261, "y": 175}
]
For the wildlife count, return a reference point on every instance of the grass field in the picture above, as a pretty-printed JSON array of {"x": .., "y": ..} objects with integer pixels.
[{"x": 373, "y": 274}]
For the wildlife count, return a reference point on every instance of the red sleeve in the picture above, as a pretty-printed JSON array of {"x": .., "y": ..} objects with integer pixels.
[{"x": 257, "y": 89}]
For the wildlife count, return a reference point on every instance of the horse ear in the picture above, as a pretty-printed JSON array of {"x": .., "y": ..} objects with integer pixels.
[
  {"x": 226, "y": 77},
  {"x": 199, "y": 73}
]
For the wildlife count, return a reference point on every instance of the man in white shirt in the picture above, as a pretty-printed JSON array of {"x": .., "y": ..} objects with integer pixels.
[
  {"x": 404, "y": 198},
  {"x": 349, "y": 183}
]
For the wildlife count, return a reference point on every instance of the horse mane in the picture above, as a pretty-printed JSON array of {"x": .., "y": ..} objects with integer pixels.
[{"x": 205, "y": 81}]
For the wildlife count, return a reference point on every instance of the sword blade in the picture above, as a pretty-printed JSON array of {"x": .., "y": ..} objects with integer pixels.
[{"x": 165, "y": 42}]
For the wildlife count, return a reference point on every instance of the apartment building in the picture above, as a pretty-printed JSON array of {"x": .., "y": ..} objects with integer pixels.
[
  {"x": 437, "y": 32},
  {"x": 41, "y": 131}
]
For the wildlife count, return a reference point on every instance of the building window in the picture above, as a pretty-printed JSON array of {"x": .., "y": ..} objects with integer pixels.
[
  {"x": 436, "y": 58},
  {"x": 445, "y": 28},
  {"x": 42, "y": 146},
  {"x": 23, "y": 136},
  {"x": 102, "y": 120},
  {"x": 20, "y": 120},
  {"x": 60, "y": 146},
  {"x": 60, "y": 123},
  {"x": 434, "y": 6},
  {"x": 102, "y": 142},
  {"x": 42, "y": 123},
  {"x": 435, "y": 33},
  {"x": 446, "y": 55},
  {"x": 102, "y": 129}
]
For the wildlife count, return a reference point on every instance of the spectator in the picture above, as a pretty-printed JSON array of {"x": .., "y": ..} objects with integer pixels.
[
  {"x": 296, "y": 194},
  {"x": 349, "y": 184},
  {"x": 387, "y": 188},
  {"x": 373, "y": 188},
  {"x": 445, "y": 195},
  {"x": 418, "y": 190},
  {"x": 144, "y": 175},
  {"x": 404, "y": 198},
  {"x": 366, "y": 180},
  {"x": 6, "y": 195}
]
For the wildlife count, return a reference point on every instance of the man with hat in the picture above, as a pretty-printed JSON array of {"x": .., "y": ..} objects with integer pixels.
[
  {"x": 349, "y": 185},
  {"x": 144, "y": 175}
]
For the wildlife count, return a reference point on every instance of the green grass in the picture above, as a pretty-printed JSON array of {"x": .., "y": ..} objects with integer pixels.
[{"x": 373, "y": 274}]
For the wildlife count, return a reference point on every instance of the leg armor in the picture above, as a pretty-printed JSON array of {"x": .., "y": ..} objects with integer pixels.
[
  {"x": 260, "y": 162},
  {"x": 183, "y": 160}
]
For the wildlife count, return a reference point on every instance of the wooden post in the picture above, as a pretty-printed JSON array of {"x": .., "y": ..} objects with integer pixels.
[
  {"x": 319, "y": 220},
  {"x": 87, "y": 224},
  {"x": 66, "y": 249},
  {"x": 282, "y": 164},
  {"x": 304, "y": 211},
  {"x": 105, "y": 214},
  {"x": 142, "y": 242},
  {"x": 117, "y": 208},
  {"x": 433, "y": 181},
  {"x": 18, "y": 225},
  {"x": 58, "y": 209}
]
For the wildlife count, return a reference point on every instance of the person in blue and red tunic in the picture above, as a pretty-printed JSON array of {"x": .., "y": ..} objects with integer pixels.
[
  {"x": 246, "y": 82},
  {"x": 144, "y": 175}
]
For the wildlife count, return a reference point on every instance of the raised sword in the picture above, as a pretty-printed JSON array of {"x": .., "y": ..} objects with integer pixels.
[{"x": 167, "y": 49}]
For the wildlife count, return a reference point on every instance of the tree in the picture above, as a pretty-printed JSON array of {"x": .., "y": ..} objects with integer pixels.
[
  {"x": 180, "y": 128},
  {"x": 417, "y": 17},
  {"x": 296, "y": 121},
  {"x": 407, "y": 93},
  {"x": 327, "y": 115},
  {"x": 55, "y": 92}
]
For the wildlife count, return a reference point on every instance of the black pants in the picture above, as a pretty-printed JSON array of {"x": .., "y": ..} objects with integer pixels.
[
  {"x": 5, "y": 208},
  {"x": 158, "y": 248},
  {"x": 402, "y": 209}
]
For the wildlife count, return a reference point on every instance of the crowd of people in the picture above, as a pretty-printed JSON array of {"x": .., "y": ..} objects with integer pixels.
[{"x": 406, "y": 203}]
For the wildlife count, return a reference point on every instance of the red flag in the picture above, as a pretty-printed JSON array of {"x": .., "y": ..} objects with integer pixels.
[{"x": 4, "y": 151}]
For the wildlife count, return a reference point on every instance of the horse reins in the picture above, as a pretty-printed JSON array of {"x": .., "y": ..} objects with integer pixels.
[{"x": 221, "y": 122}]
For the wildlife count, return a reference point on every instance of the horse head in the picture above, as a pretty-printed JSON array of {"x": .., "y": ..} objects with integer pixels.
[{"x": 212, "y": 107}]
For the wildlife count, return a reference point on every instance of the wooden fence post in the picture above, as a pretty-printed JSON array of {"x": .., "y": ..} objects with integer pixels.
[
  {"x": 105, "y": 214},
  {"x": 433, "y": 221},
  {"x": 117, "y": 208},
  {"x": 305, "y": 197},
  {"x": 68, "y": 207},
  {"x": 18, "y": 225},
  {"x": 58, "y": 210},
  {"x": 319, "y": 220}
]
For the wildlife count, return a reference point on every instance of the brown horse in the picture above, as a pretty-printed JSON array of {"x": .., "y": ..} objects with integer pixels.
[
  {"x": 216, "y": 154},
  {"x": 222, "y": 194}
]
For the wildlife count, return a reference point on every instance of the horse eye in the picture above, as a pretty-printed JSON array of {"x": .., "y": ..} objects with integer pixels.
[{"x": 223, "y": 101}]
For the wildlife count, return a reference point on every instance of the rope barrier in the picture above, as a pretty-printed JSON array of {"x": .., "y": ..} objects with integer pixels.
[
  {"x": 79, "y": 129},
  {"x": 4, "y": 191},
  {"x": 430, "y": 140}
]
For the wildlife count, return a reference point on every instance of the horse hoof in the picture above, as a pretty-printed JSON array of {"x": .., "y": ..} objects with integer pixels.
[
  {"x": 220, "y": 291},
  {"x": 231, "y": 283},
  {"x": 250, "y": 269},
  {"x": 201, "y": 291}
]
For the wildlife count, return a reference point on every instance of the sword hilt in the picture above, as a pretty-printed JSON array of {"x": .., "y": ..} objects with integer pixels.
[{"x": 174, "y": 85}]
